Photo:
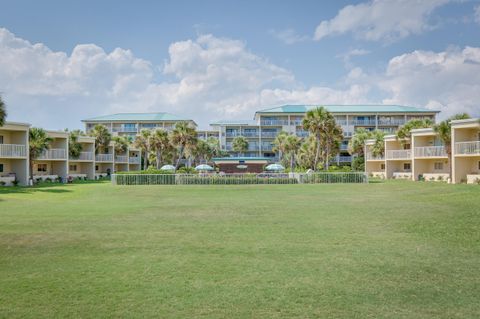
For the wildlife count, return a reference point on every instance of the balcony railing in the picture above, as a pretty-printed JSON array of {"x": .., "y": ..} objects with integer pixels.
[
  {"x": 302, "y": 133},
  {"x": 370, "y": 157},
  {"x": 269, "y": 134},
  {"x": 391, "y": 122},
  {"x": 250, "y": 134},
  {"x": 125, "y": 129},
  {"x": 54, "y": 154},
  {"x": 363, "y": 122},
  {"x": 398, "y": 154},
  {"x": 134, "y": 160},
  {"x": 121, "y": 159},
  {"x": 430, "y": 151},
  {"x": 467, "y": 148},
  {"x": 273, "y": 122},
  {"x": 84, "y": 156},
  {"x": 13, "y": 150},
  {"x": 104, "y": 158}
]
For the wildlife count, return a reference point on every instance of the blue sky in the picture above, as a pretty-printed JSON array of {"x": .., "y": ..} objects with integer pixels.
[{"x": 225, "y": 59}]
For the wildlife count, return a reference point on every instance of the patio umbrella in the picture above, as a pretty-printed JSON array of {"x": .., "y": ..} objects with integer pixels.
[
  {"x": 275, "y": 167},
  {"x": 204, "y": 167},
  {"x": 167, "y": 168}
]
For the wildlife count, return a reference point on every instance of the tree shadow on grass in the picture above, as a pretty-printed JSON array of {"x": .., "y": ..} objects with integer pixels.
[{"x": 54, "y": 188}]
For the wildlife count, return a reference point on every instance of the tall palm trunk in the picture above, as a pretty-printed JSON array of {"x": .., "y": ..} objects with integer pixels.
[
  {"x": 158, "y": 158},
  {"x": 317, "y": 154},
  {"x": 145, "y": 160},
  {"x": 180, "y": 155},
  {"x": 292, "y": 162},
  {"x": 448, "y": 150}
]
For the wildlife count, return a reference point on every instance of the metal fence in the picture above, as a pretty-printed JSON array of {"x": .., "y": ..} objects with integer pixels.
[{"x": 240, "y": 179}]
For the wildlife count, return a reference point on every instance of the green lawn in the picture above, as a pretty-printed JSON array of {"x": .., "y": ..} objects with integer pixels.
[{"x": 382, "y": 250}]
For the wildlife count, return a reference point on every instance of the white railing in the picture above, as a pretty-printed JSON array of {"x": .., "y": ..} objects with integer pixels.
[
  {"x": 53, "y": 154},
  {"x": 269, "y": 134},
  {"x": 398, "y": 154},
  {"x": 134, "y": 160},
  {"x": 13, "y": 150},
  {"x": 467, "y": 148},
  {"x": 104, "y": 158},
  {"x": 239, "y": 179},
  {"x": 121, "y": 159},
  {"x": 370, "y": 157},
  {"x": 391, "y": 122},
  {"x": 84, "y": 156},
  {"x": 273, "y": 122},
  {"x": 363, "y": 122},
  {"x": 430, "y": 151}
]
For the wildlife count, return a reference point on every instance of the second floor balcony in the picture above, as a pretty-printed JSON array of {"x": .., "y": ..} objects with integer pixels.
[
  {"x": 467, "y": 148},
  {"x": 398, "y": 154},
  {"x": 430, "y": 151},
  {"x": 84, "y": 156},
  {"x": 12, "y": 150},
  {"x": 54, "y": 154},
  {"x": 370, "y": 157},
  {"x": 134, "y": 160},
  {"x": 105, "y": 158},
  {"x": 274, "y": 122},
  {"x": 121, "y": 159}
]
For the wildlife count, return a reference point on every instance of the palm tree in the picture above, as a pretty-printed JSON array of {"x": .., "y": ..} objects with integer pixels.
[
  {"x": 120, "y": 144},
  {"x": 38, "y": 143},
  {"x": 102, "y": 137},
  {"x": 142, "y": 141},
  {"x": 159, "y": 143},
  {"x": 184, "y": 137},
  {"x": 74, "y": 147},
  {"x": 214, "y": 145},
  {"x": 404, "y": 132},
  {"x": 306, "y": 153},
  {"x": 378, "y": 147},
  {"x": 240, "y": 144},
  {"x": 356, "y": 145},
  {"x": 321, "y": 124},
  {"x": 3, "y": 112},
  {"x": 292, "y": 146},
  {"x": 444, "y": 132},
  {"x": 279, "y": 144}
]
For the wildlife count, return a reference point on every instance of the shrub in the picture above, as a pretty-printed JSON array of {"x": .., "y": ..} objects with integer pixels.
[
  {"x": 15, "y": 182},
  {"x": 2, "y": 183}
]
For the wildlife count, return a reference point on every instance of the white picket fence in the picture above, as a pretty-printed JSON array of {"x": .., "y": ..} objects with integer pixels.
[{"x": 240, "y": 179}]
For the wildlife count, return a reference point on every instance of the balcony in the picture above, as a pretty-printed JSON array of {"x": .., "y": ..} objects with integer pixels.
[
  {"x": 132, "y": 129},
  {"x": 273, "y": 122},
  {"x": 398, "y": 154},
  {"x": 232, "y": 134},
  {"x": 296, "y": 122},
  {"x": 467, "y": 148},
  {"x": 344, "y": 147},
  {"x": 430, "y": 151},
  {"x": 121, "y": 159},
  {"x": 267, "y": 147},
  {"x": 363, "y": 122},
  {"x": 250, "y": 134},
  {"x": 395, "y": 122},
  {"x": 269, "y": 134},
  {"x": 134, "y": 160},
  {"x": 13, "y": 150},
  {"x": 84, "y": 156},
  {"x": 54, "y": 154},
  {"x": 370, "y": 157},
  {"x": 106, "y": 158}
]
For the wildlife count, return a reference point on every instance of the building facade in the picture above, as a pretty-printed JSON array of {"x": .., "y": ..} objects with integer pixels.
[
  {"x": 268, "y": 123},
  {"x": 130, "y": 124},
  {"x": 14, "y": 161}
]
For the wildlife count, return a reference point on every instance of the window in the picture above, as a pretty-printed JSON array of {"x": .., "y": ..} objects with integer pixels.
[
  {"x": 406, "y": 166},
  {"x": 1, "y": 168},
  {"x": 406, "y": 146},
  {"x": 42, "y": 168},
  {"x": 1, "y": 139},
  {"x": 438, "y": 166},
  {"x": 72, "y": 168},
  {"x": 382, "y": 167},
  {"x": 478, "y": 164},
  {"x": 96, "y": 167}
]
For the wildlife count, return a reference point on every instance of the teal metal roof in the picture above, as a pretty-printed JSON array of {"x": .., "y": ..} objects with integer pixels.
[
  {"x": 235, "y": 122},
  {"x": 137, "y": 117},
  {"x": 348, "y": 109}
]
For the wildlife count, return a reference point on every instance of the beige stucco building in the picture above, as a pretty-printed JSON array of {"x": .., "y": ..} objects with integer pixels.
[
  {"x": 466, "y": 151},
  {"x": 14, "y": 163}
]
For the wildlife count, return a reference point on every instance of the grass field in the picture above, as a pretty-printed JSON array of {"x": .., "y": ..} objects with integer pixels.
[{"x": 383, "y": 250}]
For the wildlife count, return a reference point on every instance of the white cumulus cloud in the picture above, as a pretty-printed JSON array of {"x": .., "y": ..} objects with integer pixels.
[{"x": 380, "y": 19}]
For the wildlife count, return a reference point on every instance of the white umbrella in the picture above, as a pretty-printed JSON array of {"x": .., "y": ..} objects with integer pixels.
[
  {"x": 167, "y": 168},
  {"x": 204, "y": 167},
  {"x": 275, "y": 167}
]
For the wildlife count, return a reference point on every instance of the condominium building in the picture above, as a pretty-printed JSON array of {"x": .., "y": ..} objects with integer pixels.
[
  {"x": 130, "y": 124},
  {"x": 14, "y": 162},
  {"x": 262, "y": 130},
  {"x": 53, "y": 162},
  {"x": 420, "y": 157},
  {"x": 83, "y": 166},
  {"x": 466, "y": 151}
]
